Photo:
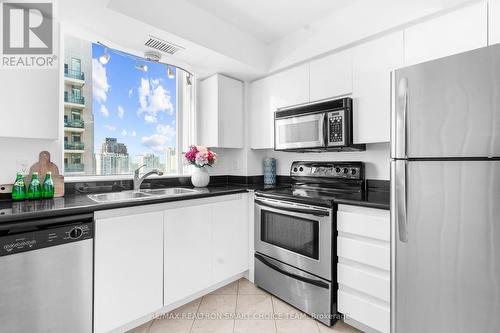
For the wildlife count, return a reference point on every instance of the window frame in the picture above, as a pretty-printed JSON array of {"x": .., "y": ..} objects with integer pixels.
[{"x": 186, "y": 131}]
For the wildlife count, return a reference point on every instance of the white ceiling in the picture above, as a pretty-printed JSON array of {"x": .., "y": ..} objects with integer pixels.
[{"x": 270, "y": 20}]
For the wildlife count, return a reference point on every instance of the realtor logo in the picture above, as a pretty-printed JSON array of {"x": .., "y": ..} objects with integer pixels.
[{"x": 27, "y": 34}]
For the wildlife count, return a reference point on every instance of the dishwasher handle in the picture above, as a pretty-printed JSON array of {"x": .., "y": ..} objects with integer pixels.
[{"x": 44, "y": 223}]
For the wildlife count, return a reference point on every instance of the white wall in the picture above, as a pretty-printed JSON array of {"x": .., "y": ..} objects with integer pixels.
[
  {"x": 376, "y": 158},
  {"x": 15, "y": 151},
  {"x": 231, "y": 161}
]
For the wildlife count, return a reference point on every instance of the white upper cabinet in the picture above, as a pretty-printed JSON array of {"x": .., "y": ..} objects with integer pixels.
[
  {"x": 128, "y": 272},
  {"x": 331, "y": 76},
  {"x": 29, "y": 103},
  {"x": 220, "y": 116},
  {"x": 290, "y": 87},
  {"x": 287, "y": 88},
  {"x": 261, "y": 115},
  {"x": 459, "y": 31},
  {"x": 494, "y": 22},
  {"x": 372, "y": 66}
]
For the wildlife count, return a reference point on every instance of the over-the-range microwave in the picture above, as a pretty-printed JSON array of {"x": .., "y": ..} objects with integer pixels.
[{"x": 322, "y": 126}]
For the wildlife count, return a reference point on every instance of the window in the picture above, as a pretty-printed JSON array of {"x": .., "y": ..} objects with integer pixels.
[
  {"x": 76, "y": 114},
  {"x": 76, "y": 65},
  {"x": 128, "y": 112}
]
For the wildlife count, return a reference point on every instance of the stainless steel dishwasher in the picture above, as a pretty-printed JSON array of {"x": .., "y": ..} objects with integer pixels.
[{"x": 46, "y": 275}]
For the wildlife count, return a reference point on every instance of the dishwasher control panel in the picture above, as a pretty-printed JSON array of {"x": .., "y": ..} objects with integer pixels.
[{"x": 48, "y": 236}]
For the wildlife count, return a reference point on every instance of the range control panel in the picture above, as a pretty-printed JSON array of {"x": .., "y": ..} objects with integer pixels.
[
  {"x": 339, "y": 170},
  {"x": 28, "y": 241}
]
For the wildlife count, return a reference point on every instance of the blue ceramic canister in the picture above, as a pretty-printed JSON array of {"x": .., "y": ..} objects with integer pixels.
[{"x": 269, "y": 171}]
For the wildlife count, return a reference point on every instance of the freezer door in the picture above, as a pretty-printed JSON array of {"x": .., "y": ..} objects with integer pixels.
[
  {"x": 446, "y": 271},
  {"x": 448, "y": 107}
]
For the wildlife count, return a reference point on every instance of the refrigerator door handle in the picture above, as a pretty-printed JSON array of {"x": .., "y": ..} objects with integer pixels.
[
  {"x": 399, "y": 116},
  {"x": 400, "y": 198}
]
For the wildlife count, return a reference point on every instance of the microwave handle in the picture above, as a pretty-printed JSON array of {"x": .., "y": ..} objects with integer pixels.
[
  {"x": 325, "y": 130},
  {"x": 317, "y": 283}
]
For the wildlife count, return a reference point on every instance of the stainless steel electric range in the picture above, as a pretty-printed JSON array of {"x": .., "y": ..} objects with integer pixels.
[{"x": 295, "y": 235}]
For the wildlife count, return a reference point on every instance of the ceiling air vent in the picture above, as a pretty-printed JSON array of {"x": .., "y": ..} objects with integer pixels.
[{"x": 161, "y": 45}]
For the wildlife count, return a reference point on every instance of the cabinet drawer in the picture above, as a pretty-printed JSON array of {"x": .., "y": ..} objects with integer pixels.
[
  {"x": 375, "y": 226},
  {"x": 376, "y": 285},
  {"x": 365, "y": 311},
  {"x": 364, "y": 251}
]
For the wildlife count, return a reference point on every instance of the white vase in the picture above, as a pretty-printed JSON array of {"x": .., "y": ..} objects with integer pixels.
[{"x": 200, "y": 177}]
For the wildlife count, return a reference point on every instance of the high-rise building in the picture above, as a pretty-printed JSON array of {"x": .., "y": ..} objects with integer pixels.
[
  {"x": 113, "y": 158},
  {"x": 150, "y": 162},
  {"x": 170, "y": 160},
  {"x": 78, "y": 116}
]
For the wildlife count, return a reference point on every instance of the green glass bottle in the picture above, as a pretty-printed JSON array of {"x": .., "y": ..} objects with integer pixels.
[
  {"x": 48, "y": 186},
  {"x": 35, "y": 188},
  {"x": 19, "y": 189}
]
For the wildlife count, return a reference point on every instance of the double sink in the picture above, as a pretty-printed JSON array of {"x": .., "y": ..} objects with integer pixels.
[{"x": 142, "y": 194}]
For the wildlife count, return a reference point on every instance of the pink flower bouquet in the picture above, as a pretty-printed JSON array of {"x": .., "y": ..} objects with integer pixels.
[{"x": 199, "y": 156}]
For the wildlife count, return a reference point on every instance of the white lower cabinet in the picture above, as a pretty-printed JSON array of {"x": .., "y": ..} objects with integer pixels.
[
  {"x": 229, "y": 238},
  {"x": 363, "y": 271},
  {"x": 188, "y": 252},
  {"x": 152, "y": 257},
  {"x": 128, "y": 272},
  {"x": 205, "y": 244}
]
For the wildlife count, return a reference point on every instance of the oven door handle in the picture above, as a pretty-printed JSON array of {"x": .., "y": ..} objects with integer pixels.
[
  {"x": 314, "y": 212},
  {"x": 317, "y": 283}
]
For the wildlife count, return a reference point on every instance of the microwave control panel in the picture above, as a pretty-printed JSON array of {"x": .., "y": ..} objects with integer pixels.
[{"x": 336, "y": 128}]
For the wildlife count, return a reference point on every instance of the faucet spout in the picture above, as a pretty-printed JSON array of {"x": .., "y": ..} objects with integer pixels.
[{"x": 139, "y": 179}]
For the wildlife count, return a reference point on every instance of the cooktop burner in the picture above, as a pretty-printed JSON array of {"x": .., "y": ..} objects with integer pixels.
[{"x": 320, "y": 183}]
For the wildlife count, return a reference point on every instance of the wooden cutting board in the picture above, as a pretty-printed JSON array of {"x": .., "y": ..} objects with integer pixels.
[{"x": 43, "y": 166}]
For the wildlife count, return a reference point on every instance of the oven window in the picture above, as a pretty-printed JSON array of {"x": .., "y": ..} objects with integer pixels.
[
  {"x": 307, "y": 131},
  {"x": 295, "y": 234}
]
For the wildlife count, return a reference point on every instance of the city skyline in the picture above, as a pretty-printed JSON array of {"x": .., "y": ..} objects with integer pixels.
[{"x": 113, "y": 158}]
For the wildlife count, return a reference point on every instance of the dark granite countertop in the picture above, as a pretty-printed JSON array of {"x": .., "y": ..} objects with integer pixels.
[
  {"x": 376, "y": 196},
  {"x": 80, "y": 203}
]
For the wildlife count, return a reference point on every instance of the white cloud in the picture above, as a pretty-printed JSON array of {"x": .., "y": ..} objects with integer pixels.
[
  {"x": 165, "y": 134},
  {"x": 130, "y": 92},
  {"x": 133, "y": 133},
  {"x": 124, "y": 132},
  {"x": 153, "y": 99},
  {"x": 149, "y": 118},
  {"x": 156, "y": 142},
  {"x": 166, "y": 130},
  {"x": 100, "y": 84},
  {"x": 121, "y": 112},
  {"x": 110, "y": 128},
  {"x": 104, "y": 110}
]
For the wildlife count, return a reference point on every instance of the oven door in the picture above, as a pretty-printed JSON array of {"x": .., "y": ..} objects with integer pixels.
[
  {"x": 299, "y": 132},
  {"x": 296, "y": 234}
]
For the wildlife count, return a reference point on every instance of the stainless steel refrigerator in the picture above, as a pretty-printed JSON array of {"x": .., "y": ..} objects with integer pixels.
[{"x": 445, "y": 196}]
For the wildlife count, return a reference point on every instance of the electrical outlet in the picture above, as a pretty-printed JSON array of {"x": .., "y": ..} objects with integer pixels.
[
  {"x": 22, "y": 166},
  {"x": 5, "y": 188}
]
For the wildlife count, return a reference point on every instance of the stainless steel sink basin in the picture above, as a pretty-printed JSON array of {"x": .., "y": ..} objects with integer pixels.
[
  {"x": 141, "y": 195},
  {"x": 170, "y": 191},
  {"x": 118, "y": 196}
]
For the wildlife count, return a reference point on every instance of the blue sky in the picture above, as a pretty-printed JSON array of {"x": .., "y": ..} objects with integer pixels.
[{"x": 137, "y": 108}]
